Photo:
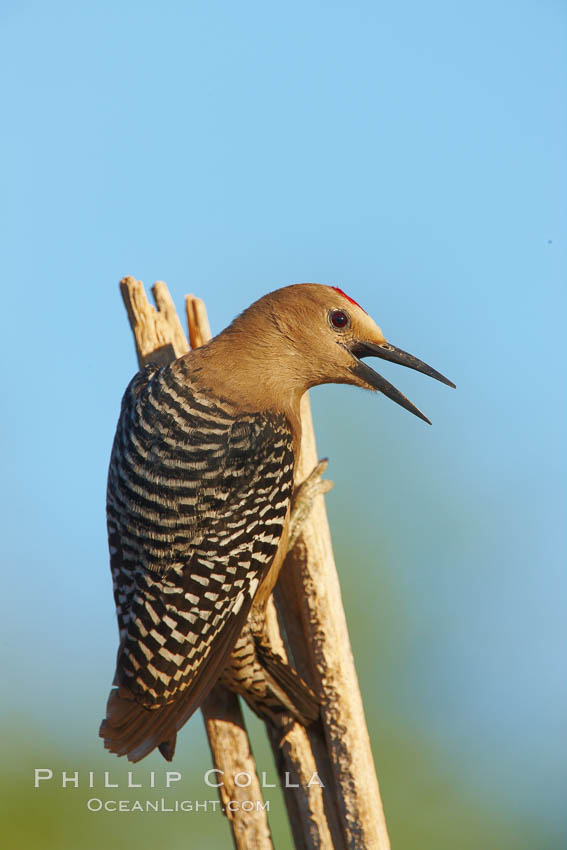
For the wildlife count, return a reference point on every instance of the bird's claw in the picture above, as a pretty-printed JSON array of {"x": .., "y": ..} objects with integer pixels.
[{"x": 304, "y": 498}]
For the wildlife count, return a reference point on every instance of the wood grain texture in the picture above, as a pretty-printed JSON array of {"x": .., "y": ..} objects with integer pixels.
[
  {"x": 157, "y": 333},
  {"x": 232, "y": 757},
  {"x": 300, "y": 756},
  {"x": 310, "y": 606},
  {"x": 197, "y": 321}
]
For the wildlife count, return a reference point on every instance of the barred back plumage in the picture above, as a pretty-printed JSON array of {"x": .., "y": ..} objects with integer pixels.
[{"x": 197, "y": 500}]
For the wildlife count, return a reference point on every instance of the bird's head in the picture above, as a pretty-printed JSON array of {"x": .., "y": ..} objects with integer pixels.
[{"x": 309, "y": 334}]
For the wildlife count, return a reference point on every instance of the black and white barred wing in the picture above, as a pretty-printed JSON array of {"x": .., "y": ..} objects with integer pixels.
[{"x": 197, "y": 501}]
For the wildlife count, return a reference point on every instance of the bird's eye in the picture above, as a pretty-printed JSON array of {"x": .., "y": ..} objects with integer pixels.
[{"x": 339, "y": 319}]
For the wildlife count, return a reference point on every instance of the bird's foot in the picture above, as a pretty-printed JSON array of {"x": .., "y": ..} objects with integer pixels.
[{"x": 304, "y": 497}]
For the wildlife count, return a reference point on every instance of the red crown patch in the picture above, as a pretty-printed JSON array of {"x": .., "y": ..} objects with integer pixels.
[{"x": 348, "y": 298}]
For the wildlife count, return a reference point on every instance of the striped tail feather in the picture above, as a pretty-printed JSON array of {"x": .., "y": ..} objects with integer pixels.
[{"x": 132, "y": 730}]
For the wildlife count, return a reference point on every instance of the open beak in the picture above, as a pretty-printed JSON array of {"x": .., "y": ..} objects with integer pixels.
[{"x": 396, "y": 355}]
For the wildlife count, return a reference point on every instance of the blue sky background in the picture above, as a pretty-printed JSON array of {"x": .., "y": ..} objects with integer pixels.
[{"x": 411, "y": 153}]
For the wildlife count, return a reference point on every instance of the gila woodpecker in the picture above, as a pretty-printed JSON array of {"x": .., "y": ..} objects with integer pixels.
[{"x": 201, "y": 508}]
